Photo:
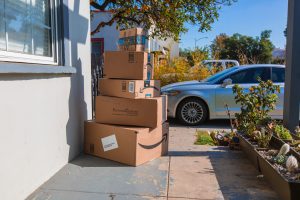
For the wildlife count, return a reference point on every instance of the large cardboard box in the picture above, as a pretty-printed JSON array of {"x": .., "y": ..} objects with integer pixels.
[
  {"x": 128, "y": 145},
  {"x": 132, "y": 89},
  {"x": 128, "y": 65},
  {"x": 149, "y": 112}
]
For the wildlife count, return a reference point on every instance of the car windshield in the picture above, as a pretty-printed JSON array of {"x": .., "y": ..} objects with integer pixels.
[{"x": 219, "y": 75}]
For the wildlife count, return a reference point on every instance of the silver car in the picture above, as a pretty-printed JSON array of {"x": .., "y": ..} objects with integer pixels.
[{"x": 193, "y": 102}]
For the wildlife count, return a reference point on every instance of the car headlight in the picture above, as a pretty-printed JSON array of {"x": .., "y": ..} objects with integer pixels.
[{"x": 171, "y": 92}]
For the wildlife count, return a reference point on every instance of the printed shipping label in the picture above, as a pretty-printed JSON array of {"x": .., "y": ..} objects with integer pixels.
[
  {"x": 109, "y": 143},
  {"x": 131, "y": 87}
]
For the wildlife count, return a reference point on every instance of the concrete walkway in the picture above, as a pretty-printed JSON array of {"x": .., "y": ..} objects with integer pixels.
[{"x": 189, "y": 172}]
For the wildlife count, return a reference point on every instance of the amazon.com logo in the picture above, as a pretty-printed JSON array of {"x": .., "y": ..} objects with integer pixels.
[{"x": 126, "y": 111}]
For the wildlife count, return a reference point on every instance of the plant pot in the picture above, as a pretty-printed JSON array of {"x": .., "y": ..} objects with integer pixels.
[
  {"x": 249, "y": 150},
  {"x": 287, "y": 190},
  {"x": 277, "y": 143}
]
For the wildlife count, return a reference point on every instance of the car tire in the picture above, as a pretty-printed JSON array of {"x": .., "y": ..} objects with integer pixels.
[{"x": 192, "y": 112}]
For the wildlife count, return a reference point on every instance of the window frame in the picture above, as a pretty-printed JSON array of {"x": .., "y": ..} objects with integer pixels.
[{"x": 8, "y": 56}]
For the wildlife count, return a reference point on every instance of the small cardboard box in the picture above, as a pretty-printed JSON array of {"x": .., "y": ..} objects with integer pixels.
[
  {"x": 129, "y": 145},
  {"x": 150, "y": 112},
  {"x": 131, "y": 32},
  {"x": 128, "y": 65},
  {"x": 133, "y": 89}
]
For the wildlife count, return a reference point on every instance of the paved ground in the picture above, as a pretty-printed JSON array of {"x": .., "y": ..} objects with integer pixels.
[{"x": 189, "y": 172}]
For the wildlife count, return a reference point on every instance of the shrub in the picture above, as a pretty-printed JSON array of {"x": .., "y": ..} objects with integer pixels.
[
  {"x": 203, "y": 138},
  {"x": 282, "y": 132},
  {"x": 179, "y": 70},
  {"x": 255, "y": 105}
]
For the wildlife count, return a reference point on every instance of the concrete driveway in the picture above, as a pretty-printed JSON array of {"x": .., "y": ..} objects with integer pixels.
[{"x": 189, "y": 172}]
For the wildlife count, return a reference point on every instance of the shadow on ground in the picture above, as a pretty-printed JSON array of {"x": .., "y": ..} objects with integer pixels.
[{"x": 235, "y": 175}]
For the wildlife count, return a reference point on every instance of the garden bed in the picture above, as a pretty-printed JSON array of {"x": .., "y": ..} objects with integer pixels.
[
  {"x": 281, "y": 180},
  {"x": 248, "y": 148},
  {"x": 277, "y": 143}
]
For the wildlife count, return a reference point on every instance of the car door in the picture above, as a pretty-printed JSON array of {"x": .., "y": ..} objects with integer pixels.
[
  {"x": 245, "y": 78},
  {"x": 278, "y": 74}
]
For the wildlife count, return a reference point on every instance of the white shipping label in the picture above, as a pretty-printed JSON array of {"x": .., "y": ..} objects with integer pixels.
[
  {"x": 109, "y": 143},
  {"x": 131, "y": 87}
]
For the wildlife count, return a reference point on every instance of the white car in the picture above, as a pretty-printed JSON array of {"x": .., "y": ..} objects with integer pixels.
[
  {"x": 220, "y": 64},
  {"x": 193, "y": 102}
]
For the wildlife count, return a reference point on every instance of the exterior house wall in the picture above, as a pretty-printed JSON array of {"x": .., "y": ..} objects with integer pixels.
[
  {"x": 109, "y": 33},
  {"x": 41, "y": 115},
  {"x": 171, "y": 45},
  {"x": 111, "y": 36}
]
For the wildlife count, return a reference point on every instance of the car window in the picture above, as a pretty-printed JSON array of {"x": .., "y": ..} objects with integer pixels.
[
  {"x": 250, "y": 75},
  {"x": 219, "y": 75},
  {"x": 278, "y": 75}
]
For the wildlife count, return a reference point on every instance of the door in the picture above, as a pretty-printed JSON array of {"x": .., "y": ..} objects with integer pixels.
[{"x": 245, "y": 78}]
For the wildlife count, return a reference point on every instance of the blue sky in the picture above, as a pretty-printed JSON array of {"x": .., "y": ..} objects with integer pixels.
[{"x": 247, "y": 17}]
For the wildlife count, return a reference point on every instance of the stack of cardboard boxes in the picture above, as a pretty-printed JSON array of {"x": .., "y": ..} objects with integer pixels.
[{"x": 130, "y": 125}]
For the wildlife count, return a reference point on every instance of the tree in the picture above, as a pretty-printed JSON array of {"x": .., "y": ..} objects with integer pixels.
[
  {"x": 168, "y": 16},
  {"x": 194, "y": 57},
  {"x": 245, "y": 49},
  {"x": 218, "y": 45}
]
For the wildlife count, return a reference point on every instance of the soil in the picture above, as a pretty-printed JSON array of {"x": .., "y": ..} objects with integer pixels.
[{"x": 294, "y": 177}]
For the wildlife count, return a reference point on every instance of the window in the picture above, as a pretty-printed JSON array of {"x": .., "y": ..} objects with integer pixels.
[
  {"x": 27, "y": 31},
  {"x": 278, "y": 75},
  {"x": 250, "y": 75}
]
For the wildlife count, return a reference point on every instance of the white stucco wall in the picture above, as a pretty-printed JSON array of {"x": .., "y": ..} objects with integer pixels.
[
  {"x": 109, "y": 33},
  {"x": 172, "y": 45},
  {"x": 41, "y": 116}
]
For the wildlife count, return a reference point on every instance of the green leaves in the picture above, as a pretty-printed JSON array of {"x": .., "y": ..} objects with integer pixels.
[
  {"x": 256, "y": 104},
  {"x": 282, "y": 132},
  {"x": 245, "y": 49},
  {"x": 167, "y": 16}
]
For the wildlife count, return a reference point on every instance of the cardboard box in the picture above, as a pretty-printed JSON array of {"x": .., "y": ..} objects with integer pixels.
[
  {"x": 133, "y": 89},
  {"x": 150, "y": 112},
  {"x": 133, "y": 43},
  {"x": 128, "y": 145},
  {"x": 128, "y": 65},
  {"x": 132, "y": 32},
  {"x": 133, "y": 40}
]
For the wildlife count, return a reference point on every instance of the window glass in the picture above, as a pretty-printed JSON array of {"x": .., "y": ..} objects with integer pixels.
[
  {"x": 27, "y": 26},
  {"x": 219, "y": 75},
  {"x": 251, "y": 75},
  {"x": 278, "y": 75},
  {"x": 2, "y": 27},
  {"x": 41, "y": 28}
]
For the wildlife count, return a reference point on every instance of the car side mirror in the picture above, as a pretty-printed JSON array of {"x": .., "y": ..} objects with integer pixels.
[{"x": 226, "y": 82}]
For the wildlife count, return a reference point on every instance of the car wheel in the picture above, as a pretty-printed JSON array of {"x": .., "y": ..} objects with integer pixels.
[{"x": 192, "y": 111}]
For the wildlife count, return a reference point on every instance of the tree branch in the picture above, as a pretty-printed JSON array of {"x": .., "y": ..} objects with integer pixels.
[
  {"x": 115, "y": 18},
  {"x": 100, "y": 7}
]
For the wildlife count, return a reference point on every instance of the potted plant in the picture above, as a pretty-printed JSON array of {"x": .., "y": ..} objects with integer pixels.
[
  {"x": 253, "y": 122},
  {"x": 282, "y": 171},
  {"x": 271, "y": 147}
]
